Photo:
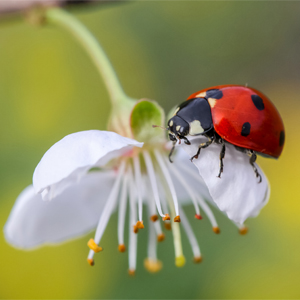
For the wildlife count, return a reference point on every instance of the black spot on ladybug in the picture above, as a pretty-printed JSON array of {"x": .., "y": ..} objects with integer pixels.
[
  {"x": 246, "y": 129},
  {"x": 281, "y": 138},
  {"x": 258, "y": 102},
  {"x": 215, "y": 93}
]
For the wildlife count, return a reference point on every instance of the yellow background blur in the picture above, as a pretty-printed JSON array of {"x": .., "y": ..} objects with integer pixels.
[{"x": 163, "y": 51}]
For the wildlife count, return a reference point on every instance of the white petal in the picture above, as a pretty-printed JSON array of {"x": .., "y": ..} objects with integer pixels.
[
  {"x": 237, "y": 192},
  {"x": 70, "y": 158},
  {"x": 76, "y": 211}
]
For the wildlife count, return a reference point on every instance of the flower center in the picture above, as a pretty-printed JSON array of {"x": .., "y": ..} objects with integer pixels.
[{"x": 144, "y": 179}]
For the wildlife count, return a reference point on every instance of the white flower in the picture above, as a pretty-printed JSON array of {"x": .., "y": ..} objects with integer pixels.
[{"x": 88, "y": 175}]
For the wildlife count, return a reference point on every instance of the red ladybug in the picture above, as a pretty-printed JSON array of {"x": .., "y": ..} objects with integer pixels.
[{"x": 236, "y": 114}]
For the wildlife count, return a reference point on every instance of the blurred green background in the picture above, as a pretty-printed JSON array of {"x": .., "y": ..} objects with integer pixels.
[{"x": 163, "y": 51}]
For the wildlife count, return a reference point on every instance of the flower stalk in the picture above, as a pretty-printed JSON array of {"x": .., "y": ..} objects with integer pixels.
[{"x": 121, "y": 103}]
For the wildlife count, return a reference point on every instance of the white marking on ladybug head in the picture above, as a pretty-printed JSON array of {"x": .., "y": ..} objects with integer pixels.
[
  {"x": 176, "y": 111},
  {"x": 178, "y": 127},
  {"x": 195, "y": 128},
  {"x": 171, "y": 123},
  {"x": 201, "y": 95},
  {"x": 212, "y": 102}
]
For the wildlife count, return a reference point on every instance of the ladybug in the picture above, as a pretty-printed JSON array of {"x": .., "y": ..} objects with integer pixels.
[{"x": 235, "y": 114}]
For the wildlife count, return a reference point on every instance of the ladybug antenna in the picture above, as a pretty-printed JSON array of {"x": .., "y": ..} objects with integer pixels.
[{"x": 154, "y": 126}]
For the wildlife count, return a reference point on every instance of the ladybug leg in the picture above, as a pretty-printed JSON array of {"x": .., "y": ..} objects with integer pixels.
[
  {"x": 202, "y": 146},
  {"x": 171, "y": 152},
  {"x": 222, "y": 155},
  {"x": 252, "y": 160}
]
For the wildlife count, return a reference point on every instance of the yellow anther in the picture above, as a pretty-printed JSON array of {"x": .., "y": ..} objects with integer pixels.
[
  {"x": 122, "y": 248},
  {"x": 90, "y": 261},
  {"x": 216, "y": 230},
  {"x": 152, "y": 265},
  {"x": 243, "y": 230},
  {"x": 131, "y": 272},
  {"x": 154, "y": 218},
  {"x": 180, "y": 261},
  {"x": 167, "y": 225},
  {"x": 93, "y": 246},
  {"x": 197, "y": 259},
  {"x": 139, "y": 224},
  {"x": 166, "y": 217},
  {"x": 160, "y": 237},
  {"x": 177, "y": 219}
]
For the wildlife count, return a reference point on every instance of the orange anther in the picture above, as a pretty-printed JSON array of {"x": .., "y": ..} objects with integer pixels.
[
  {"x": 177, "y": 219},
  {"x": 135, "y": 229},
  {"x": 90, "y": 261},
  {"x": 166, "y": 217},
  {"x": 243, "y": 230},
  {"x": 139, "y": 224},
  {"x": 197, "y": 259},
  {"x": 160, "y": 237},
  {"x": 198, "y": 217},
  {"x": 122, "y": 248},
  {"x": 168, "y": 225},
  {"x": 93, "y": 246},
  {"x": 131, "y": 272},
  {"x": 216, "y": 230},
  {"x": 154, "y": 218}
]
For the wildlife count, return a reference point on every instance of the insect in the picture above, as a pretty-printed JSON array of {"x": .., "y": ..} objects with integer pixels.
[{"x": 239, "y": 115}]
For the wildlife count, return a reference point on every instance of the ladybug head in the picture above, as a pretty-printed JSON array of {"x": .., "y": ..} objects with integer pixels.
[{"x": 178, "y": 129}]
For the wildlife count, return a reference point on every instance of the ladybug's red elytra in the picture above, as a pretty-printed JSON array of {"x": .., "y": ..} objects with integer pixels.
[{"x": 239, "y": 115}]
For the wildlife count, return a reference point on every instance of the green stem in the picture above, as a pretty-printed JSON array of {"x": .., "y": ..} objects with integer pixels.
[{"x": 62, "y": 18}]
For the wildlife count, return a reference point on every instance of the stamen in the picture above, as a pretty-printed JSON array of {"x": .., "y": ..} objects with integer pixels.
[
  {"x": 132, "y": 249},
  {"x": 168, "y": 225},
  {"x": 151, "y": 174},
  {"x": 108, "y": 208},
  {"x": 138, "y": 184},
  {"x": 169, "y": 182},
  {"x": 161, "y": 237},
  {"x": 152, "y": 264},
  {"x": 90, "y": 261},
  {"x": 121, "y": 248},
  {"x": 179, "y": 257},
  {"x": 139, "y": 224},
  {"x": 122, "y": 214},
  {"x": 187, "y": 188},
  {"x": 191, "y": 236},
  {"x": 166, "y": 217},
  {"x": 201, "y": 201},
  {"x": 243, "y": 230},
  {"x": 216, "y": 230},
  {"x": 93, "y": 246},
  {"x": 154, "y": 218},
  {"x": 177, "y": 219}
]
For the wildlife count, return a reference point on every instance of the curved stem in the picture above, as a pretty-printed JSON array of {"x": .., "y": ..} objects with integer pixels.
[{"x": 62, "y": 18}]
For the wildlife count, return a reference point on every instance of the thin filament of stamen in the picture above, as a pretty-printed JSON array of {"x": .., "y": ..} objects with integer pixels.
[
  {"x": 179, "y": 257},
  {"x": 138, "y": 183},
  {"x": 132, "y": 198},
  {"x": 187, "y": 188},
  {"x": 152, "y": 243},
  {"x": 190, "y": 234},
  {"x": 122, "y": 211},
  {"x": 168, "y": 179},
  {"x": 110, "y": 204},
  {"x": 199, "y": 198},
  {"x": 151, "y": 173},
  {"x": 132, "y": 249}
]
